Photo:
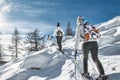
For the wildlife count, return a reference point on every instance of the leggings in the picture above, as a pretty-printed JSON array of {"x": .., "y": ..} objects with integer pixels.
[{"x": 93, "y": 48}]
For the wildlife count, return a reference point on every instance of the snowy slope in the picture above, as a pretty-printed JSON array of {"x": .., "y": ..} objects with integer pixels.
[{"x": 50, "y": 64}]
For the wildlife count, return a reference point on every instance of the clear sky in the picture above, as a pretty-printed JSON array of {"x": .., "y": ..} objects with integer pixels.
[{"x": 44, "y": 14}]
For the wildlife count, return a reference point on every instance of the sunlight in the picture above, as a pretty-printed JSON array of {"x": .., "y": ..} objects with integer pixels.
[
  {"x": 6, "y": 8},
  {"x": 2, "y": 1}
]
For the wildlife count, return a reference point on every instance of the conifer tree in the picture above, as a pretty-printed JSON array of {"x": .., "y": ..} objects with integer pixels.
[
  {"x": 35, "y": 40},
  {"x": 14, "y": 47},
  {"x": 69, "y": 29}
]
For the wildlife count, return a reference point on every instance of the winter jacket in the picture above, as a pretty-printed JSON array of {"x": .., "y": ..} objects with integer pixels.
[
  {"x": 81, "y": 30},
  {"x": 56, "y": 30}
]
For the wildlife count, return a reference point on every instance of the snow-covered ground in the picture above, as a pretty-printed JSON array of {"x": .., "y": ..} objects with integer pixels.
[{"x": 50, "y": 64}]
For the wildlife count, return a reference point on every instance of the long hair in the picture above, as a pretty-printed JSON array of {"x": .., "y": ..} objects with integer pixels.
[{"x": 79, "y": 20}]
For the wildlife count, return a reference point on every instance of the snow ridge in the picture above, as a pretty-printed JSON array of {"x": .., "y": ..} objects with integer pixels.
[{"x": 50, "y": 64}]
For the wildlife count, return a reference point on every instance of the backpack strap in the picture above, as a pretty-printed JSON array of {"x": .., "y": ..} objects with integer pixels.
[
  {"x": 90, "y": 32},
  {"x": 59, "y": 33},
  {"x": 86, "y": 32}
]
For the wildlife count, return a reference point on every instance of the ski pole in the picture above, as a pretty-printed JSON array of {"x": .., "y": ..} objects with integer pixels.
[{"x": 75, "y": 65}]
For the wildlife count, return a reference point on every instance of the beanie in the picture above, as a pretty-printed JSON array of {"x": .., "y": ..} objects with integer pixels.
[
  {"x": 58, "y": 24},
  {"x": 85, "y": 21}
]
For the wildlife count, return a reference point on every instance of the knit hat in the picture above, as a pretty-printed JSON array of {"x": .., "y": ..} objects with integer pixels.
[
  {"x": 85, "y": 21},
  {"x": 58, "y": 24}
]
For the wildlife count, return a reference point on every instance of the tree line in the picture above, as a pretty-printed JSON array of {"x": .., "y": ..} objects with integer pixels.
[{"x": 34, "y": 41}]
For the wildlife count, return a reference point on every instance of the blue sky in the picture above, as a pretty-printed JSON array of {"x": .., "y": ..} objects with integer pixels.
[{"x": 44, "y": 14}]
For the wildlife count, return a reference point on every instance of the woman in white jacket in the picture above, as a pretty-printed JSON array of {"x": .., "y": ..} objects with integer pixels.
[
  {"x": 59, "y": 35},
  {"x": 83, "y": 34}
]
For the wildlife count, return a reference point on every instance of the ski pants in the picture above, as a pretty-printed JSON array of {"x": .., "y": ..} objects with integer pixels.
[
  {"x": 59, "y": 40},
  {"x": 93, "y": 48}
]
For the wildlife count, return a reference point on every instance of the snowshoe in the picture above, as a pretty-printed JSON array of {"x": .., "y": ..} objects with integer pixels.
[
  {"x": 86, "y": 76},
  {"x": 102, "y": 77},
  {"x": 62, "y": 51}
]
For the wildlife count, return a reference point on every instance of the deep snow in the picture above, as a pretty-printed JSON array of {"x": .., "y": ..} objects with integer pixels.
[{"x": 50, "y": 64}]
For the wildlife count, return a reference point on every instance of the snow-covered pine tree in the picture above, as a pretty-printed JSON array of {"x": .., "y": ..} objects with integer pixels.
[
  {"x": 14, "y": 47},
  {"x": 69, "y": 29},
  {"x": 34, "y": 40},
  {"x": 0, "y": 47}
]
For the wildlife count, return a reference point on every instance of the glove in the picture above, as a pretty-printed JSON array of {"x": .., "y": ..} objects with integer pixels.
[
  {"x": 51, "y": 36},
  {"x": 99, "y": 35}
]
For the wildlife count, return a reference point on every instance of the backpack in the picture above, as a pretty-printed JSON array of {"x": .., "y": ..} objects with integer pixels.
[
  {"x": 91, "y": 34},
  {"x": 59, "y": 33}
]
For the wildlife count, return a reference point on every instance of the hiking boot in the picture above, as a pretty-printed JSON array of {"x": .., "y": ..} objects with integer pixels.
[
  {"x": 86, "y": 75},
  {"x": 102, "y": 77}
]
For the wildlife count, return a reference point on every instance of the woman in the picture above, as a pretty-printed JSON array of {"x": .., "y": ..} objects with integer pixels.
[{"x": 83, "y": 34}]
